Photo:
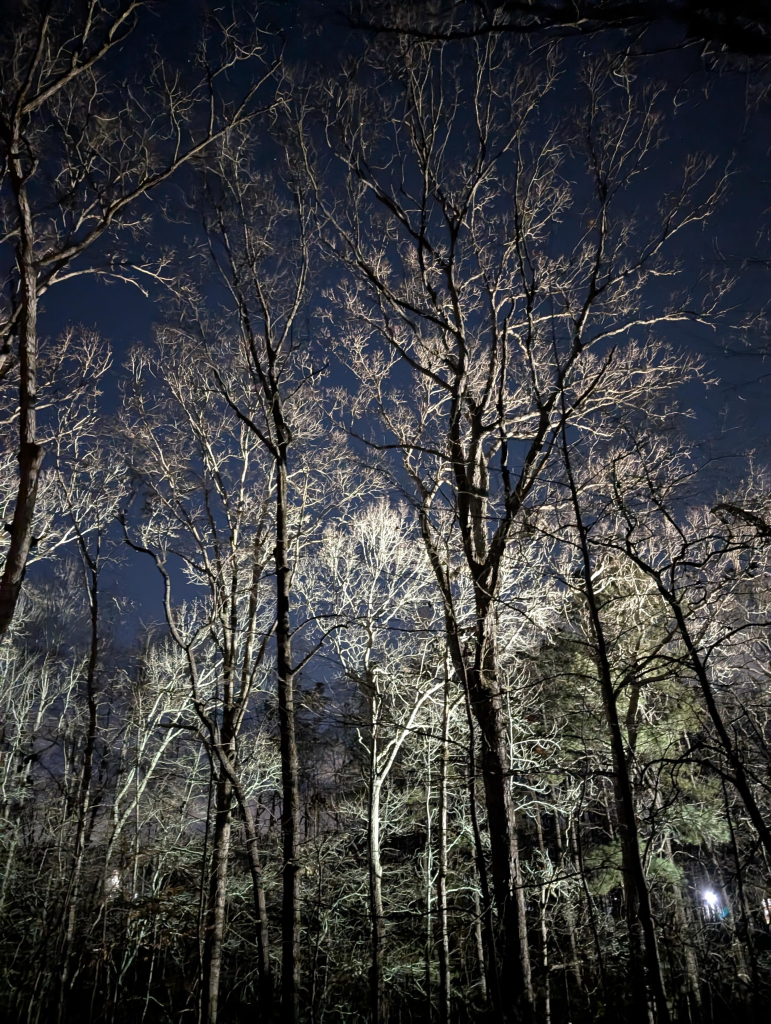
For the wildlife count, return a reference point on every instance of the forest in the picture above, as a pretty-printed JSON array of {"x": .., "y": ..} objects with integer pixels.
[{"x": 385, "y": 563}]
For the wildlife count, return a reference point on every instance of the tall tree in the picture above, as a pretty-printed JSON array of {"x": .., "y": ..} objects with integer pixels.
[
  {"x": 261, "y": 247},
  {"x": 207, "y": 490},
  {"x": 465, "y": 327},
  {"x": 81, "y": 147},
  {"x": 371, "y": 586}
]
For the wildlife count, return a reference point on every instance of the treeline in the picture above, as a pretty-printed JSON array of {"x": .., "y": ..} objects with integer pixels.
[{"x": 457, "y": 705}]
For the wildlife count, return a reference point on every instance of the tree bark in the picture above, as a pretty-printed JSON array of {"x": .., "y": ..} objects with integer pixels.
[
  {"x": 215, "y": 924},
  {"x": 484, "y": 924},
  {"x": 260, "y": 909},
  {"x": 643, "y": 946},
  {"x": 84, "y": 789},
  {"x": 516, "y": 983},
  {"x": 377, "y": 918},
  {"x": 513, "y": 991},
  {"x": 545, "y": 991},
  {"x": 445, "y": 996},
  {"x": 290, "y": 905},
  {"x": 377, "y": 993},
  {"x": 30, "y": 452}
]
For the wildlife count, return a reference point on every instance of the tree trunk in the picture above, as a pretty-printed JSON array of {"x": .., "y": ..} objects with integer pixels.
[
  {"x": 516, "y": 983},
  {"x": 740, "y": 780},
  {"x": 512, "y": 991},
  {"x": 377, "y": 993},
  {"x": 84, "y": 794},
  {"x": 488, "y": 963},
  {"x": 30, "y": 452},
  {"x": 260, "y": 910},
  {"x": 569, "y": 915},
  {"x": 445, "y": 1003},
  {"x": 215, "y": 924},
  {"x": 428, "y": 950},
  {"x": 545, "y": 994},
  {"x": 480, "y": 946},
  {"x": 643, "y": 947},
  {"x": 290, "y": 905}
]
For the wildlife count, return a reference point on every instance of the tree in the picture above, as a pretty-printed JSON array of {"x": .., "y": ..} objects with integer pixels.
[
  {"x": 466, "y": 327},
  {"x": 80, "y": 150},
  {"x": 703, "y": 565},
  {"x": 643, "y": 944},
  {"x": 207, "y": 491},
  {"x": 259, "y": 239},
  {"x": 742, "y": 28},
  {"x": 374, "y": 586}
]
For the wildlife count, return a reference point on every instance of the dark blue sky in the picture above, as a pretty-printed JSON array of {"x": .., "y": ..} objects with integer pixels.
[{"x": 715, "y": 115}]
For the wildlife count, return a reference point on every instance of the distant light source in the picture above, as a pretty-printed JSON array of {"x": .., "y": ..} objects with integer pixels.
[{"x": 711, "y": 899}]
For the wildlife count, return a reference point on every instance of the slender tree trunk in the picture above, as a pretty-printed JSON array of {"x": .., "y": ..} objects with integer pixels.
[
  {"x": 30, "y": 452},
  {"x": 480, "y": 945},
  {"x": 740, "y": 780},
  {"x": 745, "y": 918},
  {"x": 516, "y": 983},
  {"x": 215, "y": 924},
  {"x": 545, "y": 1000},
  {"x": 445, "y": 997},
  {"x": 290, "y": 806},
  {"x": 486, "y": 704},
  {"x": 377, "y": 917},
  {"x": 265, "y": 977},
  {"x": 260, "y": 909},
  {"x": 202, "y": 896},
  {"x": 314, "y": 999},
  {"x": 84, "y": 795},
  {"x": 377, "y": 991},
  {"x": 643, "y": 946},
  {"x": 490, "y": 977},
  {"x": 577, "y": 849},
  {"x": 428, "y": 949},
  {"x": 569, "y": 915}
]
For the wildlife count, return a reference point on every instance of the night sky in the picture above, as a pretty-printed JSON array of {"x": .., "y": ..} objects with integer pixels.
[{"x": 718, "y": 111}]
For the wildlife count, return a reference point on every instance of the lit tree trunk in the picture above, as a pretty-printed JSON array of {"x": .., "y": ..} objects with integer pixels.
[
  {"x": 480, "y": 946},
  {"x": 484, "y": 923},
  {"x": 260, "y": 909},
  {"x": 516, "y": 984},
  {"x": 485, "y": 700},
  {"x": 445, "y": 998},
  {"x": 258, "y": 890},
  {"x": 569, "y": 914},
  {"x": 377, "y": 992},
  {"x": 545, "y": 1009},
  {"x": 30, "y": 452},
  {"x": 428, "y": 951}
]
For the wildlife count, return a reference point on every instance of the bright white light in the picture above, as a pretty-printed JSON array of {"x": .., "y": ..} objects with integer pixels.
[{"x": 711, "y": 899}]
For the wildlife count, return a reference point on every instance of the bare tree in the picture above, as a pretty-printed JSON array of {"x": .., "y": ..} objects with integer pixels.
[
  {"x": 742, "y": 28},
  {"x": 373, "y": 585},
  {"x": 465, "y": 327},
  {"x": 80, "y": 149},
  {"x": 704, "y": 564},
  {"x": 207, "y": 488},
  {"x": 643, "y": 943},
  {"x": 261, "y": 246}
]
